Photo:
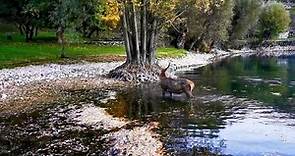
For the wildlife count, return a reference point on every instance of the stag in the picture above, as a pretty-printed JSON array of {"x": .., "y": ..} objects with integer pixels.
[{"x": 175, "y": 85}]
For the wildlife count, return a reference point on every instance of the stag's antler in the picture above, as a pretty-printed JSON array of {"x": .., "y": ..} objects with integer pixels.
[{"x": 167, "y": 67}]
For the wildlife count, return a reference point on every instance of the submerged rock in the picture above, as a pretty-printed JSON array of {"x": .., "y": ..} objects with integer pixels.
[
  {"x": 137, "y": 141},
  {"x": 94, "y": 116}
]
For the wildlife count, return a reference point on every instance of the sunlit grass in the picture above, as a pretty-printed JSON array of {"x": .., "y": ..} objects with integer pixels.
[
  {"x": 44, "y": 48},
  {"x": 12, "y": 53}
]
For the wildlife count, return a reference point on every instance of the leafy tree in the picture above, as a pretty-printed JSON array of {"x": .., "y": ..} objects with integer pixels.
[
  {"x": 63, "y": 15},
  {"x": 246, "y": 15},
  {"x": 141, "y": 22},
  {"x": 26, "y": 14},
  {"x": 209, "y": 26},
  {"x": 143, "y": 19},
  {"x": 274, "y": 19},
  {"x": 89, "y": 17}
]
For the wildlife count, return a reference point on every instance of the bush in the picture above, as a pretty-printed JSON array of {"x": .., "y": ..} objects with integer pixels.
[
  {"x": 274, "y": 19},
  {"x": 246, "y": 16}
]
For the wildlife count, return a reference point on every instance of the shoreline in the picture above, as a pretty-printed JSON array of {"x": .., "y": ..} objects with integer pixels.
[
  {"x": 12, "y": 80},
  {"x": 22, "y": 87}
]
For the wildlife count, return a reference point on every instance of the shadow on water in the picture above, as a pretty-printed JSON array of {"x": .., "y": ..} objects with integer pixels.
[{"x": 242, "y": 106}]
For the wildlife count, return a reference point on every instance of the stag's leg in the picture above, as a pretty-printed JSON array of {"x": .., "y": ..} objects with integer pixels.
[
  {"x": 163, "y": 92},
  {"x": 188, "y": 93},
  {"x": 171, "y": 94}
]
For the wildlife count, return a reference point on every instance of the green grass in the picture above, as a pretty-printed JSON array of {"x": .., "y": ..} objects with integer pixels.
[{"x": 43, "y": 50}]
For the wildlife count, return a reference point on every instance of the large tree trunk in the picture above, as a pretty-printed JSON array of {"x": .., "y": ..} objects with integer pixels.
[
  {"x": 140, "y": 35},
  {"x": 180, "y": 41},
  {"x": 136, "y": 35},
  {"x": 140, "y": 43},
  {"x": 144, "y": 32},
  {"x": 36, "y": 31},
  {"x": 152, "y": 43},
  {"x": 126, "y": 36},
  {"x": 61, "y": 40},
  {"x": 29, "y": 32}
]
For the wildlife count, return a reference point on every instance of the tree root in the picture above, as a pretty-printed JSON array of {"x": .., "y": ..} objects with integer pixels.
[{"x": 136, "y": 73}]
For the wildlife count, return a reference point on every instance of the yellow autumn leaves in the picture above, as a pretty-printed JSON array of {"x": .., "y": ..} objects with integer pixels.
[
  {"x": 206, "y": 6},
  {"x": 164, "y": 9},
  {"x": 111, "y": 16}
]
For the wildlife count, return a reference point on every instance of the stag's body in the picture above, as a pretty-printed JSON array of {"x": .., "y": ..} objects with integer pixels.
[{"x": 178, "y": 86}]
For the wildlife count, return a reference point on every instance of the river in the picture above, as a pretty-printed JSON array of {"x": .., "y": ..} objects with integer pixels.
[{"x": 242, "y": 106}]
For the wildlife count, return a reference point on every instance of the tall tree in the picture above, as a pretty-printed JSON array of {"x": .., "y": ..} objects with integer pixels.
[
  {"x": 26, "y": 14},
  {"x": 209, "y": 24},
  {"x": 246, "y": 16},
  {"x": 273, "y": 20},
  {"x": 142, "y": 20},
  {"x": 64, "y": 13}
]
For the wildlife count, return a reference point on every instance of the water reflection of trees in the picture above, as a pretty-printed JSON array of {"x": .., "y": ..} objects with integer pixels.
[
  {"x": 241, "y": 77},
  {"x": 190, "y": 127},
  {"x": 186, "y": 126}
]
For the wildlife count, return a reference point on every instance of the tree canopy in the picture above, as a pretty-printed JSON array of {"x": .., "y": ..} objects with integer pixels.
[
  {"x": 198, "y": 24},
  {"x": 274, "y": 19}
]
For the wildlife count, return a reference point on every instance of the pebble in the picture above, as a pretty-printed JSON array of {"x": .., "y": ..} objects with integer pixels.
[
  {"x": 276, "y": 51},
  {"x": 3, "y": 96}
]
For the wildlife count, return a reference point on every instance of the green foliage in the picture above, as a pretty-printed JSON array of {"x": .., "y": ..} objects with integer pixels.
[
  {"x": 64, "y": 13},
  {"x": 220, "y": 22},
  {"x": 274, "y": 19},
  {"x": 246, "y": 16},
  {"x": 292, "y": 11},
  {"x": 89, "y": 17},
  {"x": 212, "y": 26}
]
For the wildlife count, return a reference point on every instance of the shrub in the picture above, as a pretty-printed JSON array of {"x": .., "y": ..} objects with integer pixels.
[{"x": 274, "y": 19}]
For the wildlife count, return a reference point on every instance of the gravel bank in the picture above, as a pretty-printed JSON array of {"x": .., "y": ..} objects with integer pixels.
[
  {"x": 13, "y": 79},
  {"x": 276, "y": 51},
  {"x": 21, "y": 85},
  {"x": 24, "y": 88}
]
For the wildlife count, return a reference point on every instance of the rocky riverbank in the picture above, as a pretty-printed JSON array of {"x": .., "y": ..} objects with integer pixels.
[
  {"x": 12, "y": 80},
  {"x": 23, "y": 88},
  {"x": 276, "y": 51}
]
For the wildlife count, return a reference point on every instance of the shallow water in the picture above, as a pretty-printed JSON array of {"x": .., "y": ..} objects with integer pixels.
[{"x": 242, "y": 106}]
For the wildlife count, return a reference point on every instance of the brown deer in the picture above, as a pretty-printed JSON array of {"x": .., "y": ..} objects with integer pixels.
[{"x": 178, "y": 86}]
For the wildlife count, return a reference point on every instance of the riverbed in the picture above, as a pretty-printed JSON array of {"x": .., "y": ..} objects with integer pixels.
[{"x": 242, "y": 106}]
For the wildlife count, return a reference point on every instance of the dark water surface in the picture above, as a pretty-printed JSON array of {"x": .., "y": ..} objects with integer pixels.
[{"x": 242, "y": 106}]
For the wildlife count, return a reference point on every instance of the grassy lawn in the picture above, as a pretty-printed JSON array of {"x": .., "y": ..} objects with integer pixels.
[{"x": 43, "y": 50}]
